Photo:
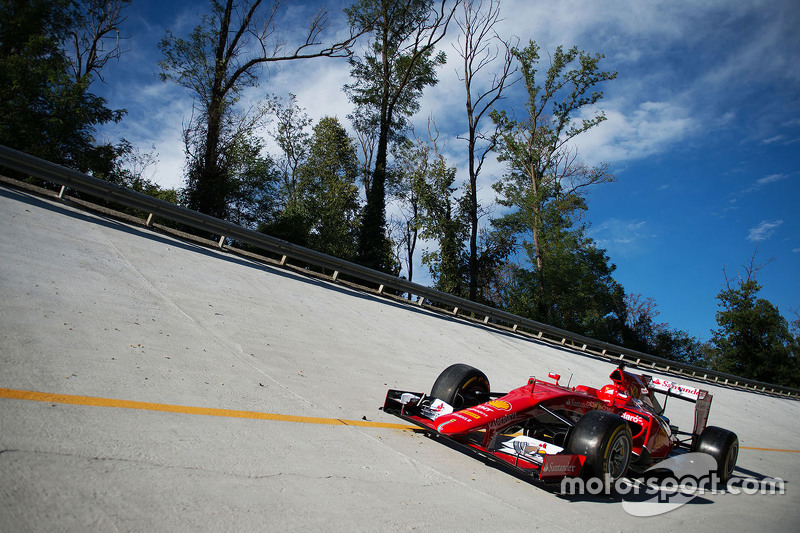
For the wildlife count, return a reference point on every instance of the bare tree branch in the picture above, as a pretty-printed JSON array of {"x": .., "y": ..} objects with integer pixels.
[{"x": 97, "y": 39}]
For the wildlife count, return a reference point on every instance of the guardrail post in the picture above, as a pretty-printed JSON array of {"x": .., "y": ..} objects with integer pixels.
[
  {"x": 62, "y": 191},
  {"x": 335, "y": 275},
  {"x": 221, "y": 243},
  {"x": 149, "y": 220}
]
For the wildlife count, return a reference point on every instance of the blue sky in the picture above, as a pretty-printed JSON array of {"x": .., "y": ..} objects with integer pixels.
[{"x": 702, "y": 131}]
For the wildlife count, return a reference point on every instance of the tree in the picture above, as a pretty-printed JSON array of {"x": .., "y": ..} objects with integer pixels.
[
  {"x": 222, "y": 57},
  {"x": 753, "y": 339},
  {"x": 293, "y": 140},
  {"x": 643, "y": 333},
  {"x": 388, "y": 83},
  {"x": 329, "y": 192},
  {"x": 410, "y": 167},
  {"x": 95, "y": 38},
  {"x": 254, "y": 183},
  {"x": 574, "y": 289},
  {"x": 641, "y": 328},
  {"x": 442, "y": 217},
  {"x": 45, "y": 110},
  {"x": 545, "y": 181},
  {"x": 479, "y": 47}
]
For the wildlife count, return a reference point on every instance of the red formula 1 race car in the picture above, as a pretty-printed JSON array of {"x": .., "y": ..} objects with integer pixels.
[{"x": 549, "y": 431}]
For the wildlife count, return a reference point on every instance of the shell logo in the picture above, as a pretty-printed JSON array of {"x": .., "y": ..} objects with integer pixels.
[{"x": 500, "y": 404}]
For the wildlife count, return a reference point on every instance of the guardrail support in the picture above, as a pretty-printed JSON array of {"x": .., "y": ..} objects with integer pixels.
[
  {"x": 221, "y": 243},
  {"x": 62, "y": 191},
  {"x": 149, "y": 222}
]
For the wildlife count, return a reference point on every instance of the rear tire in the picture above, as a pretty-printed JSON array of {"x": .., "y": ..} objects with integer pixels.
[
  {"x": 605, "y": 440},
  {"x": 461, "y": 386},
  {"x": 723, "y": 446}
]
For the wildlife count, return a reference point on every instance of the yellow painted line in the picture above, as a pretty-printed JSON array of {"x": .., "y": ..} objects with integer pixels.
[
  {"x": 206, "y": 411},
  {"x": 47, "y": 397},
  {"x": 769, "y": 449}
]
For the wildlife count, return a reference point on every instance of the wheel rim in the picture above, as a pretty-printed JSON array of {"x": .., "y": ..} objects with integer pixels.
[
  {"x": 618, "y": 457},
  {"x": 463, "y": 397},
  {"x": 730, "y": 460}
]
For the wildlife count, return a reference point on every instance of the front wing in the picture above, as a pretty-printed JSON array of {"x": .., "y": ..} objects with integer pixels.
[{"x": 523, "y": 455}]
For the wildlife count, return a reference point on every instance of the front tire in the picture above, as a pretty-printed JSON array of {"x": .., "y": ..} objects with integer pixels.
[
  {"x": 723, "y": 446},
  {"x": 461, "y": 386},
  {"x": 605, "y": 440}
]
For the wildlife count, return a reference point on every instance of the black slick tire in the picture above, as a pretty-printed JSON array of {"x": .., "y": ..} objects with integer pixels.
[
  {"x": 461, "y": 386},
  {"x": 723, "y": 446},
  {"x": 605, "y": 440}
]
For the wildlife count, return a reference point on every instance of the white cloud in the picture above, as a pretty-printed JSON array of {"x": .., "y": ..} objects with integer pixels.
[
  {"x": 621, "y": 235},
  {"x": 764, "y": 230},
  {"x": 651, "y": 128},
  {"x": 650, "y": 107},
  {"x": 763, "y": 182}
]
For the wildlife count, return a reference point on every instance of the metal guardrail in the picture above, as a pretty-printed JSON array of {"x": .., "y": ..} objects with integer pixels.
[{"x": 70, "y": 179}]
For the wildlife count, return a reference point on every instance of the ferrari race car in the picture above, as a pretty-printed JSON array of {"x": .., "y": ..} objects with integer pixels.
[{"x": 550, "y": 431}]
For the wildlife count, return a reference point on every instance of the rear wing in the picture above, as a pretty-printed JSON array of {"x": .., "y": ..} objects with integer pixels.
[
  {"x": 701, "y": 398},
  {"x": 670, "y": 388}
]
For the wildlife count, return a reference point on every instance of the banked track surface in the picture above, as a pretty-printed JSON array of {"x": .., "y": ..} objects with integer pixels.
[{"x": 95, "y": 308}]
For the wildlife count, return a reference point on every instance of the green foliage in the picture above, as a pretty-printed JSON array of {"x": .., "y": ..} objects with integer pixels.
[
  {"x": 753, "y": 339},
  {"x": 293, "y": 140},
  {"x": 222, "y": 57},
  {"x": 323, "y": 212},
  {"x": 569, "y": 283},
  {"x": 44, "y": 110},
  {"x": 574, "y": 290},
  {"x": 254, "y": 179},
  {"x": 642, "y": 333},
  {"x": 442, "y": 218},
  {"x": 387, "y": 84},
  {"x": 545, "y": 181},
  {"x": 329, "y": 192}
]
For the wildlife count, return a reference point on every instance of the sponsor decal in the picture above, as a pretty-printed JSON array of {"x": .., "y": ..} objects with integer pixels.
[
  {"x": 560, "y": 466},
  {"x": 631, "y": 417},
  {"x": 471, "y": 414},
  {"x": 560, "y": 469},
  {"x": 500, "y": 404},
  {"x": 502, "y": 421},
  {"x": 589, "y": 404},
  {"x": 682, "y": 390}
]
